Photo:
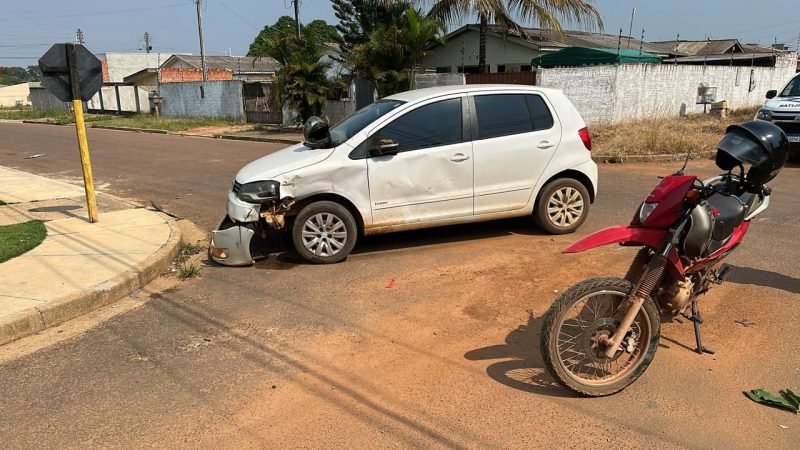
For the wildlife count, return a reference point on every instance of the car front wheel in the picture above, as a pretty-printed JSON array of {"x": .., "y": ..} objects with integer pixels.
[
  {"x": 563, "y": 206},
  {"x": 324, "y": 232}
]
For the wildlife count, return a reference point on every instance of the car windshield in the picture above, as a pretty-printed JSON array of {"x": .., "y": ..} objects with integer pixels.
[
  {"x": 348, "y": 127},
  {"x": 792, "y": 89}
]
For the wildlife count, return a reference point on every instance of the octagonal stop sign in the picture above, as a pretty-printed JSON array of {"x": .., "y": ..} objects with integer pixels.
[{"x": 62, "y": 62}]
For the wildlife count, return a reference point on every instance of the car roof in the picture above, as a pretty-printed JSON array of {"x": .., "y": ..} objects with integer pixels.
[{"x": 426, "y": 93}]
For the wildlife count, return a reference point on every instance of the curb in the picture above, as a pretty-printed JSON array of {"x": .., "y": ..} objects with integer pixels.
[
  {"x": 36, "y": 319},
  {"x": 640, "y": 158},
  {"x": 233, "y": 137},
  {"x": 135, "y": 130}
]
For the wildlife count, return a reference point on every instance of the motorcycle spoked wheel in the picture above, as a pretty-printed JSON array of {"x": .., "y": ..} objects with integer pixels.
[{"x": 571, "y": 330}]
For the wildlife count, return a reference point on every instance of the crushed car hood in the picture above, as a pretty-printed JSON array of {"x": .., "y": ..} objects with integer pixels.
[
  {"x": 280, "y": 162},
  {"x": 781, "y": 104}
]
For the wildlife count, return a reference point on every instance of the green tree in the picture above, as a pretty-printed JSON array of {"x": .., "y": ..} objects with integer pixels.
[
  {"x": 13, "y": 75},
  {"x": 358, "y": 19},
  {"x": 391, "y": 55},
  {"x": 322, "y": 32},
  {"x": 34, "y": 73},
  {"x": 301, "y": 82},
  {"x": 547, "y": 14}
]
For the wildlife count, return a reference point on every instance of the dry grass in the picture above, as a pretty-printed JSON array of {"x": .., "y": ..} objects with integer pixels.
[{"x": 665, "y": 135}]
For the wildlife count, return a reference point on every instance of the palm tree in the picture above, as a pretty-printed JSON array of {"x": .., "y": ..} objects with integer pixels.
[
  {"x": 392, "y": 53},
  {"x": 417, "y": 34},
  {"x": 546, "y": 14}
]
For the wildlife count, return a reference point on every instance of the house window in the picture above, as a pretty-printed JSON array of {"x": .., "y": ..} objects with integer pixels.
[
  {"x": 525, "y": 68},
  {"x": 501, "y": 68},
  {"x": 443, "y": 70}
]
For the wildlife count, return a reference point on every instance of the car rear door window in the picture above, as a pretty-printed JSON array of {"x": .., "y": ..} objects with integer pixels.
[
  {"x": 540, "y": 113},
  {"x": 502, "y": 115},
  {"x": 432, "y": 125}
]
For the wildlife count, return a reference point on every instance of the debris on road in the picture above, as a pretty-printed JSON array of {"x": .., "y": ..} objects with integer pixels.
[
  {"x": 161, "y": 210},
  {"x": 392, "y": 284},
  {"x": 746, "y": 322},
  {"x": 38, "y": 155},
  {"x": 789, "y": 399}
]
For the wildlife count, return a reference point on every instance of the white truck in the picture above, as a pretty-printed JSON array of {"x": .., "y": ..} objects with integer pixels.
[{"x": 783, "y": 109}]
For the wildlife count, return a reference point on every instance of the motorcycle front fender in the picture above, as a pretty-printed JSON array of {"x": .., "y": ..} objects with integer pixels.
[
  {"x": 624, "y": 234},
  {"x": 630, "y": 235}
]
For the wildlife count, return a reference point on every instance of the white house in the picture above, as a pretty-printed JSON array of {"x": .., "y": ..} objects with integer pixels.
[{"x": 514, "y": 52}]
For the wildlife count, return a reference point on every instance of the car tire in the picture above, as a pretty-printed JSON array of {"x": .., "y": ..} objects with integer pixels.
[
  {"x": 324, "y": 232},
  {"x": 562, "y": 206}
]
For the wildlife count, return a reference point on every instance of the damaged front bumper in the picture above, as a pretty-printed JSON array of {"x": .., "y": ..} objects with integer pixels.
[{"x": 231, "y": 241}]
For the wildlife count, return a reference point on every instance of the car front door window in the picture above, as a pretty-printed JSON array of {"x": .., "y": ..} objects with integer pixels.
[{"x": 431, "y": 125}]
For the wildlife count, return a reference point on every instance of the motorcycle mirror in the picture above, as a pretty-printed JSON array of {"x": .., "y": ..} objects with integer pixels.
[{"x": 685, "y": 162}]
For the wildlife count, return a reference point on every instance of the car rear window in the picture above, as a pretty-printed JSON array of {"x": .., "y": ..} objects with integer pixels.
[
  {"x": 431, "y": 125},
  {"x": 502, "y": 115},
  {"x": 540, "y": 113}
]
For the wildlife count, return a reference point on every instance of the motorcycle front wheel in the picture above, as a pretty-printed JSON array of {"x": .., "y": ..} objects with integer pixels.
[{"x": 572, "y": 337}]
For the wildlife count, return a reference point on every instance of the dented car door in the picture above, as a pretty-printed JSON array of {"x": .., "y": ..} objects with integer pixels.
[{"x": 431, "y": 175}]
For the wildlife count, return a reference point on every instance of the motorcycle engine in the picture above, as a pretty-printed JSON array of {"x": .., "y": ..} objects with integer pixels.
[{"x": 676, "y": 296}]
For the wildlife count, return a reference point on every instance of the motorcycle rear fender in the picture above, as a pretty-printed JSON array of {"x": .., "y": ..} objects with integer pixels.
[{"x": 633, "y": 236}]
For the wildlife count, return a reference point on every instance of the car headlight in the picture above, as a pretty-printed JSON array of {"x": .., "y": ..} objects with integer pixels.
[
  {"x": 764, "y": 114},
  {"x": 645, "y": 211},
  {"x": 259, "y": 191}
]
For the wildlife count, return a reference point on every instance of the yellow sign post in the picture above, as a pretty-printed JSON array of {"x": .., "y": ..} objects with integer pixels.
[
  {"x": 80, "y": 127},
  {"x": 72, "y": 73},
  {"x": 86, "y": 163}
]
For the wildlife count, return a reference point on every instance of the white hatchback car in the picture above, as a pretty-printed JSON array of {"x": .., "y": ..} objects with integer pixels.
[{"x": 422, "y": 158}]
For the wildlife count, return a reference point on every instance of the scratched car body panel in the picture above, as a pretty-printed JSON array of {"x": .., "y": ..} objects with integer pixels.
[{"x": 418, "y": 159}]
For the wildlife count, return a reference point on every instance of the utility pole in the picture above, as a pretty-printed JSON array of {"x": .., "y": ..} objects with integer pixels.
[
  {"x": 147, "y": 46},
  {"x": 202, "y": 45},
  {"x": 297, "y": 16},
  {"x": 79, "y": 37}
]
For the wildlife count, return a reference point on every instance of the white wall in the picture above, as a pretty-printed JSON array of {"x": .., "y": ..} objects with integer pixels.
[
  {"x": 498, "y": 51},
  {"x": 120, "y": 65},
  {"x": 614, "y": 93},
  {"x": 10, "y": 95},
  {"x": 126, "y": 99}
]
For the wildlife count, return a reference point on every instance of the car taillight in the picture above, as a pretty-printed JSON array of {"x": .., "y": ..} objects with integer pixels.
[{"x": 586, "y": 138}]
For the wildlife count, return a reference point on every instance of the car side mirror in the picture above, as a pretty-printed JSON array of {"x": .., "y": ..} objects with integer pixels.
[
  {"x": 772, "y": 93},
  {"x": 384, "y": 147}
]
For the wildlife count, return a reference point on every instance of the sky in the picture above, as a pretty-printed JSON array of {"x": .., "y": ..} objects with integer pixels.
[{"x": 28, "y": 28}]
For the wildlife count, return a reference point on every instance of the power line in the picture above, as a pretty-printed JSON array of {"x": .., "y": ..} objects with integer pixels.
[
  {"x": 97, "y": 13},
  {"x": 240, "y": 16}
]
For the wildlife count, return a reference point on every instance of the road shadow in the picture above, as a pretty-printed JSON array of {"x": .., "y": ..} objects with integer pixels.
[
  {"x": 277, "y": 247},
  {"x": 764, "y": 278},
  {"x": 521, "y": 366}
]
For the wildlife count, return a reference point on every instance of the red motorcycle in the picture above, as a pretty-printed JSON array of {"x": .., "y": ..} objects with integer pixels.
[{"x": 602, "y": 333}]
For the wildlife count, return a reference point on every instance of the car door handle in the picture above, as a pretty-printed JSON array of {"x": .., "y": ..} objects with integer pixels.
[
  {"x": 544, "y": 144},
  {"x": 458, "y": 157}
]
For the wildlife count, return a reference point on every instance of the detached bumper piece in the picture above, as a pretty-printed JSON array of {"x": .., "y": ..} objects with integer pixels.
[{"x": 230, "y": 244}]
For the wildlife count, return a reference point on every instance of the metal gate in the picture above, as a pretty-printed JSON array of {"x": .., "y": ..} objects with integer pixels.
[
  {"x": 502, "y": 78},
  {"x": 260, "y": 106}
]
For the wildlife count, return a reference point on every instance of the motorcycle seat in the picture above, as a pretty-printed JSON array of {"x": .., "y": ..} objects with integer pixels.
[{"x": 731, "y": 212}]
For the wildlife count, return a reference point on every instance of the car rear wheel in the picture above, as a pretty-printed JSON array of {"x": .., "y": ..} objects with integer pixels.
[
  {"x": 324, "y": 232},
  {"x": 562, "y": 206}
]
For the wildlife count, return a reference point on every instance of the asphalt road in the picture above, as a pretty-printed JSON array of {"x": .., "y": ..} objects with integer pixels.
[{"x": 292, "y": 355}]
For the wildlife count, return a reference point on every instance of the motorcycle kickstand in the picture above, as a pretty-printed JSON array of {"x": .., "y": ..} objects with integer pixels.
[{"x": 697, "y": 319}]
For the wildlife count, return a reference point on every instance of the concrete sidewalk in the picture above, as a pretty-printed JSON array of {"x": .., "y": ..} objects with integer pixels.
[{"x": 80, "y": 266}]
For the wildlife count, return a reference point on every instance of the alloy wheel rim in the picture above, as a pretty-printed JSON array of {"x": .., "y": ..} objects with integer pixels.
[
  {"x": 324, "y": 234},
  {"x": 565, "y": 207}
]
